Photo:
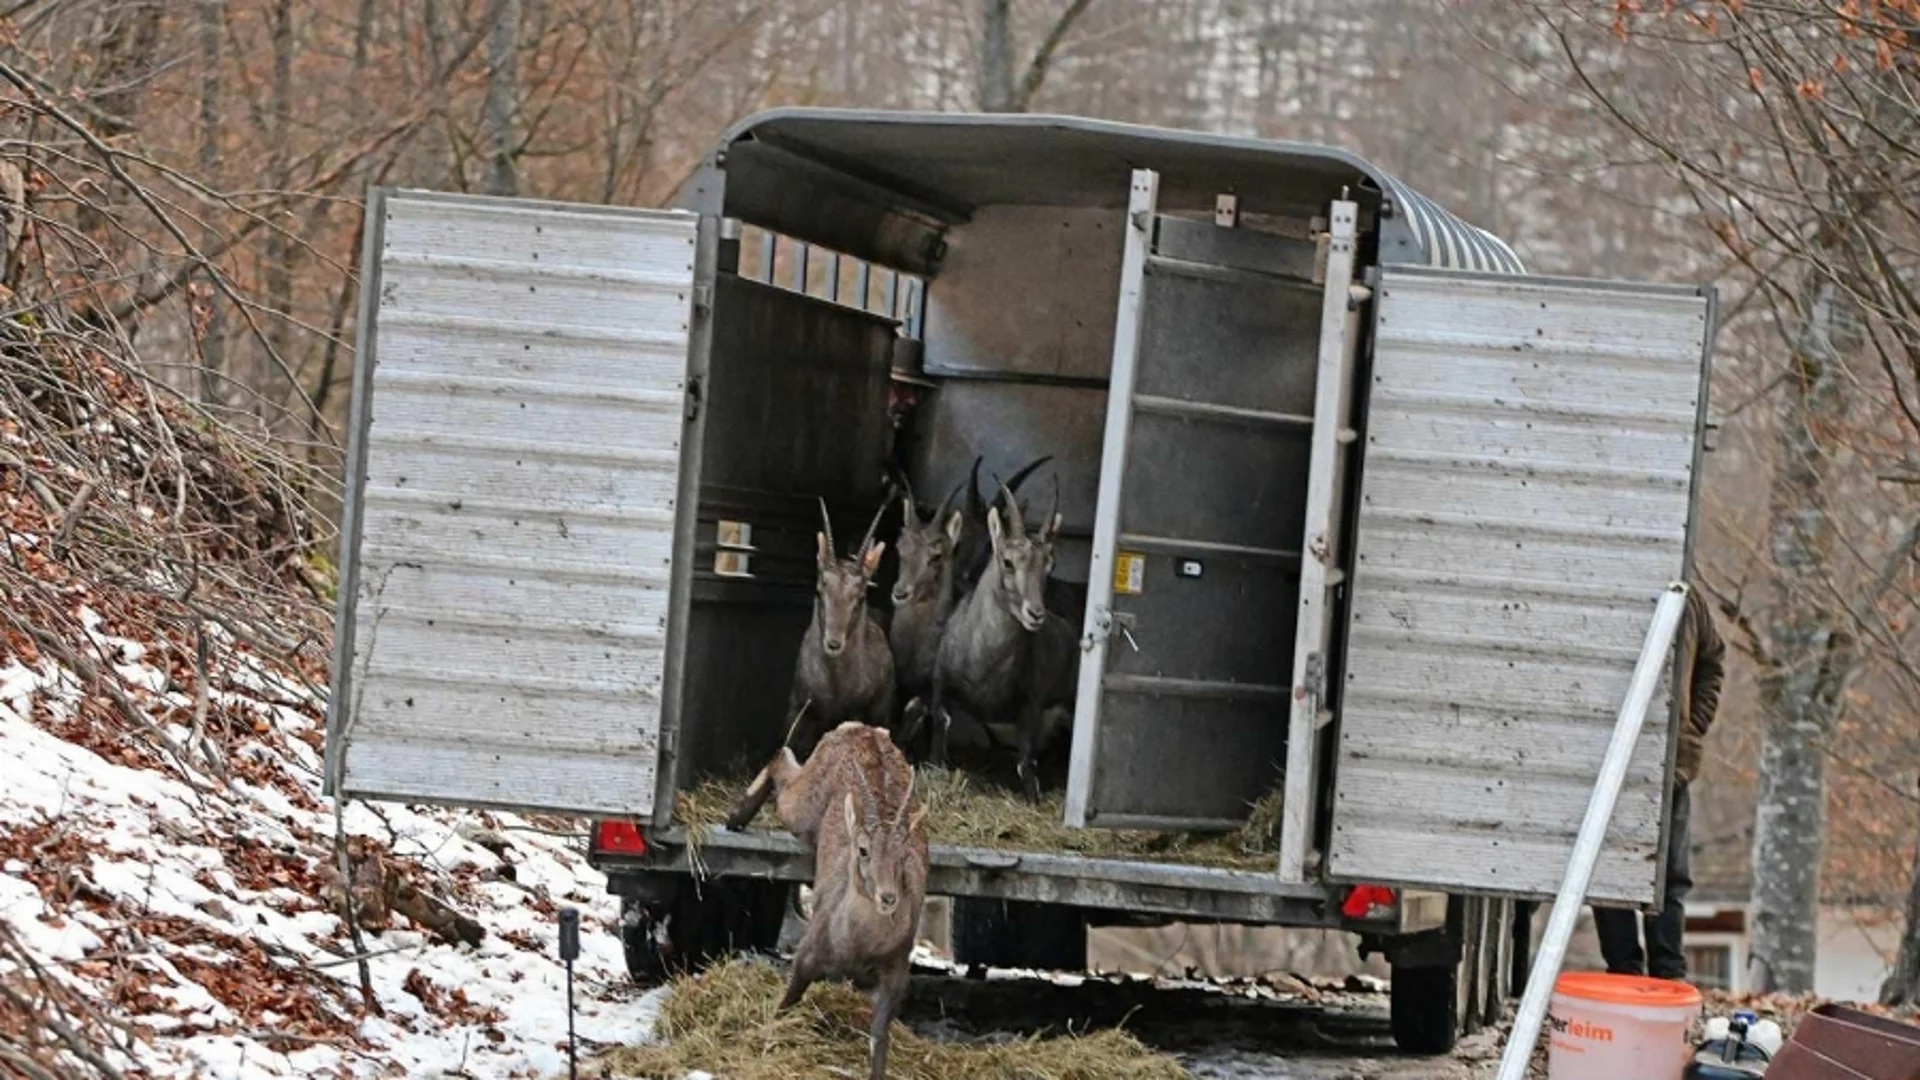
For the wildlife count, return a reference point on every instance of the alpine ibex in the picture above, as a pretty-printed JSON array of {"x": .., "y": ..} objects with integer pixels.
[
  {"x": 852, "y": 803},
  {"x": 922, "y": 595},
  {"x": 845, "y": 668},
  {"x": 1002, "y": 648},
  {"x": 971, "y": 547}
]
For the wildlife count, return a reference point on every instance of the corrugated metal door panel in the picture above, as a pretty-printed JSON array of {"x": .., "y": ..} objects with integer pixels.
[
  {"x": 1526, "y": 496},
  {"x": 518, "y": 446}
]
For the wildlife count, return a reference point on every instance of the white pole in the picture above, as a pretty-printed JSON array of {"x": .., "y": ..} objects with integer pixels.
[{"x": 1593, "y": 833}]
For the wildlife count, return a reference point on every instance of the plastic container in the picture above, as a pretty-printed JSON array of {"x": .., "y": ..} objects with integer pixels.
[
  {"x": 1609, "y": 1027},
  {"x": 1735, "y": 1048}
]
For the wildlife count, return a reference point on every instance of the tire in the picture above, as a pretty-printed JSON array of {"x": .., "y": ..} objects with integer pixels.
[
  {"x": 689, "y": 927},
  {"x": 1018, "y": 934},
  {"x": 1424, "y": 1003}
]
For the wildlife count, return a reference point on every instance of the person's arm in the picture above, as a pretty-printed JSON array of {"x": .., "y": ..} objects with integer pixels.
[{"x": 1709, "y": 663}]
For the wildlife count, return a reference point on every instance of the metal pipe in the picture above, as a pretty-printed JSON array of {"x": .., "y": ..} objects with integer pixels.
[{"x": 1593, "y": 833}]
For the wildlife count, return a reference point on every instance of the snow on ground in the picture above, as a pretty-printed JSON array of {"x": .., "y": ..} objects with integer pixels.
[{"x": 199, "y": 910}]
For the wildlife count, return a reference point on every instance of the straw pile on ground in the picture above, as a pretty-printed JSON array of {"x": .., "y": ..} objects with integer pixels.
[
  {"x": 723, "y": 1023},
  {"x": 965, "y": 812}
]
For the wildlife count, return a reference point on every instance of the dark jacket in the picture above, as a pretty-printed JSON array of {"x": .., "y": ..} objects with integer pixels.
[{"x": 1699, "y": 670}]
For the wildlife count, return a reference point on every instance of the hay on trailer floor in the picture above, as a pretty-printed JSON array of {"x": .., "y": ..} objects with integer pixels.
[
  {"x": 722, "y": 1022},
  {"x": 964, "y": 812}
]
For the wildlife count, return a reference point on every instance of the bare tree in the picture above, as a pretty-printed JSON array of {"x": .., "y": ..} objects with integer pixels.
[
  {"x": 503, "y": 91},
  {"x": 1000, "y": 89}
]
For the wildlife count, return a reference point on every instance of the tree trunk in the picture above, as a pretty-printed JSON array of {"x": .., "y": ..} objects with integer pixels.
[
  {"x": 996, "y": 56},
  {"x": 213, "y": 332},
  {"x": 1903, "y": 985},
  {"x": 279, "y": 247},
  {"x": 503, "y": 66},
  {"x": 1802, "y": 694}
]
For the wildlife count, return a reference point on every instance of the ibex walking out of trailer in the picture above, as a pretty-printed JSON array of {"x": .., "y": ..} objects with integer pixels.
[
  {"x": 1002, "y": 648},
  {"x": 845, "y": 667},
  {"x": 852, "y": 803}
]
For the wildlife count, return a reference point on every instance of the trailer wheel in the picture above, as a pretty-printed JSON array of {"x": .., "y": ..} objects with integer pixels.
[
  {"x": 1424, "y": 1006},
  {"x": 684, "y": 927},
  {"x": 1017, "y": 934}
]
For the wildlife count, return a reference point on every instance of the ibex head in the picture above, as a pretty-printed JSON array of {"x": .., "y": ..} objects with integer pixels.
[
  {"x": 1022, "y": 560},
  {"x": 925, "y": 549},
  {"x": 841, "y": 589},
  {"x": 882, "y": 849}
]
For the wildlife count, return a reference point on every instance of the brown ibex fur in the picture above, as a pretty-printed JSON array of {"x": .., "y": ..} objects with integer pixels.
[{"x": 852, "y": 803}]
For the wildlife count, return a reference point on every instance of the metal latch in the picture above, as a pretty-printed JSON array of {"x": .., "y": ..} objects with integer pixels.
[
  {"x": 1107, "y": 623},
  {"x": 1315, "y": 680},
  {"x": 693, "y": 398}
]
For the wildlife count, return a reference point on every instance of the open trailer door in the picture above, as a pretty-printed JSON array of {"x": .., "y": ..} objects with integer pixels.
[
  {"x": 1194, "y": 579},
  {"x": 1531, "y": 454},
  {"x": 510, "y": 532}
]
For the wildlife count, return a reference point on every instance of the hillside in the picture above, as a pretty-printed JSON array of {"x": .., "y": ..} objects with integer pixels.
[{"x": 168, "y": 892}]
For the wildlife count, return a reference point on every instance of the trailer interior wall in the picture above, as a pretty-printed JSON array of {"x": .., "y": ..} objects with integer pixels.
[
  {"x": 1019, "y": 335},
  {"x": 797, "y": 411}
]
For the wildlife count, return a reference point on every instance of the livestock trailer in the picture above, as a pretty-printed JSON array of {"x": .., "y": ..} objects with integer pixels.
[{"x": 1365, "y": 514}]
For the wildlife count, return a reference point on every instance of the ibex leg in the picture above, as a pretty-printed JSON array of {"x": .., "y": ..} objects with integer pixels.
[
  {"x": 937, "y": 716},
  {"x": 1030, "y": 720},
  {"x": 887, "y": 997},
  {"x": 805, "y": 971}
]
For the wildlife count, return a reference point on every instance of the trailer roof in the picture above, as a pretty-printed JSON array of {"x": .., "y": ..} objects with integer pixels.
[{"x": 949, "y": 164}]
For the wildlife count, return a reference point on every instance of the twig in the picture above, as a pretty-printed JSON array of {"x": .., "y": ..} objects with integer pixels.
[{"x": 75, "y": 509}]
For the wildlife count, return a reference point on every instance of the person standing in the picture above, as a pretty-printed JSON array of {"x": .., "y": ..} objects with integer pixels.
[{"x": 1700, "y": 669}]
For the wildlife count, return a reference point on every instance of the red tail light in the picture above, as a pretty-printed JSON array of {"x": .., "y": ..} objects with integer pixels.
[
  {"x": 1368, "y": 902},
  {"x": 619, "y": 837}
]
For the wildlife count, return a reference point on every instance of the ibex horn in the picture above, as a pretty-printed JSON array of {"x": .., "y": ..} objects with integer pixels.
[
  {"x": 868, "y": 803},
  {"x": 947, "y": 503},
  {"x": 827, "y": 523},
  {"x": 1016, "y": 520},
  {"x": 867, "y": 540},
  {"x": 906, "y": 801}
]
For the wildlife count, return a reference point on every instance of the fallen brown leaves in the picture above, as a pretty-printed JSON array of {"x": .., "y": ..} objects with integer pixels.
[{"x": 449, "y": 1005}]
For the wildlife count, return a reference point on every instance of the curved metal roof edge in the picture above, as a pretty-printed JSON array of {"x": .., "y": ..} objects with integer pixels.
[{"x": 1447, "y": 239}]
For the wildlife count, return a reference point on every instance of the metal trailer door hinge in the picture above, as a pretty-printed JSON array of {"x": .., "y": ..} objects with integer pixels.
[{"x": 693, "y": 398}]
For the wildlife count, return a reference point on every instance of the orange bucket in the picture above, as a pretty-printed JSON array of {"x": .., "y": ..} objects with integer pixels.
[{"x": 1607, "y": 1027}]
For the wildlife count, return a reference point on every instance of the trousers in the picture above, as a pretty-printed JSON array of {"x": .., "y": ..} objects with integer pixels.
[{"x": 1619, "y": 931}]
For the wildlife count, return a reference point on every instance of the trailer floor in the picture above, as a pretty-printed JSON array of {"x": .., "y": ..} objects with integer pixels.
[{"x": 966, "y": 811}]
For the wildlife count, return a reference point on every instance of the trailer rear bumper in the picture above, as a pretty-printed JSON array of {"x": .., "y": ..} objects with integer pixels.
[{"x": 1169, "y": 890}]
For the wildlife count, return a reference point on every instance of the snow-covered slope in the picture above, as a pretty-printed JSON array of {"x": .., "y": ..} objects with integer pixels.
[{"x": 197, "y": 912}]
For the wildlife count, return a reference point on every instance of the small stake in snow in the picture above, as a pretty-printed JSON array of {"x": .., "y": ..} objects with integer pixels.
[{"x": 569, "y": 952}]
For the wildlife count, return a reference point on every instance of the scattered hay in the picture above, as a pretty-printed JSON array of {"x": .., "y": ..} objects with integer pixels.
[
  {"x": 722, "y": 1022},
  {"x": 967, "y": 813}
]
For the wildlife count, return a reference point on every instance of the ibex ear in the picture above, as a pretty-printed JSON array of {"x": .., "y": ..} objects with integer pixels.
[
  {"x": 871, "y": 560},
  {"x": 853, "y": 820},
  {"x": 825, "y": 556},
  {"x": 1053, "y": 528},
  {"x": 993, "y": 525},
  {"x": 953, "y": 528}
]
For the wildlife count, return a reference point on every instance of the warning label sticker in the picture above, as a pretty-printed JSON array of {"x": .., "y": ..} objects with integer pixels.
[{"x": 1129, "y": 573}]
